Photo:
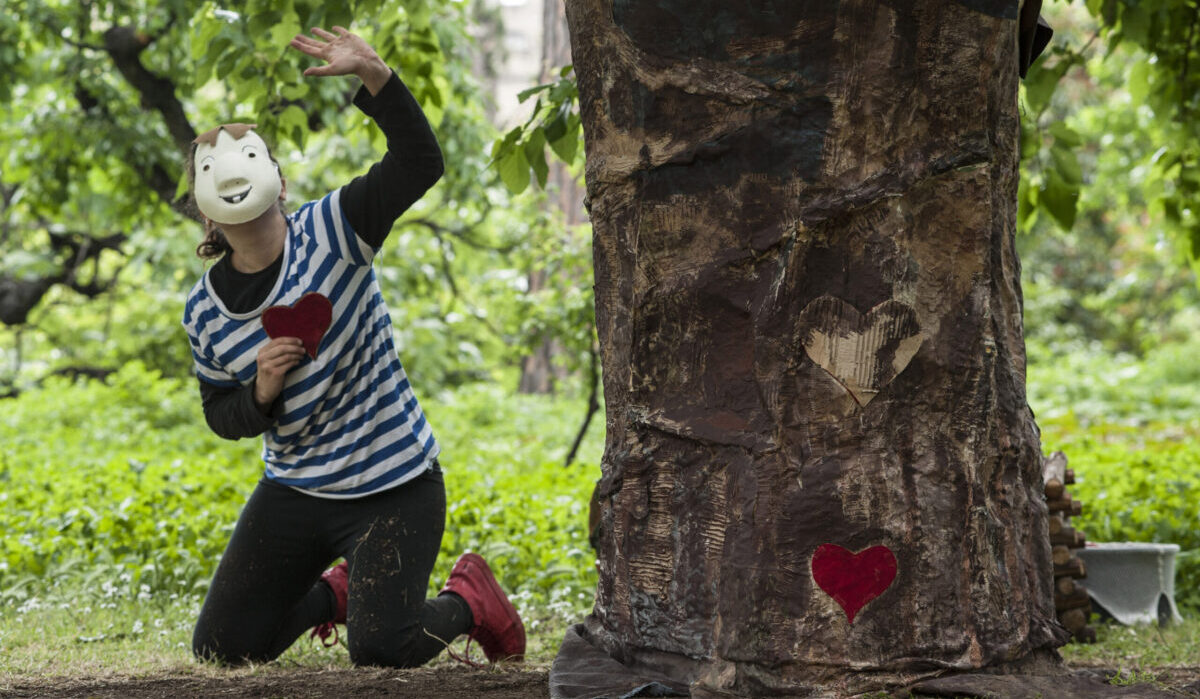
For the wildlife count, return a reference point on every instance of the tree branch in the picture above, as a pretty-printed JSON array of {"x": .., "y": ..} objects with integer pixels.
[
  {"x": 460, "y": 234},
  {"x": 125, "y": 45},
  {"x": 593, "y": 402}
]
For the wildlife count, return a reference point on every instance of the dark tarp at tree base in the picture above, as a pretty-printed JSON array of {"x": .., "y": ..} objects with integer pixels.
[{"x": 584, "y": 671}]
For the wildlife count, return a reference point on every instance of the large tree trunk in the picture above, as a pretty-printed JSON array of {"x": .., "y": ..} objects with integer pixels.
[{"x": 810, "y": 315}]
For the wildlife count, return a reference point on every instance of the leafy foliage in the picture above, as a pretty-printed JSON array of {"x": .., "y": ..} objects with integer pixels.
[
  {"x": 1120, "y": 87},
  {"x": 554, "y": 122},
  {"x": 146, "y": 495},
  {"x": 99, "y": 150},
  {"x": 1128, "y": 427},
  {"x": 1166, "y": 34}
]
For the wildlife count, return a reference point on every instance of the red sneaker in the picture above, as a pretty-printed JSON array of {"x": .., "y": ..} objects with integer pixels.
[
  {"x": 498, "y": 627},
  {"x": 338, "y": 580}
]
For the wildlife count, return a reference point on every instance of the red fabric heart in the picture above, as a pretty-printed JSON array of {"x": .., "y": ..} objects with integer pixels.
[
  {"x": 853, "y": 579},
  {"x": 307, "y": 319}
]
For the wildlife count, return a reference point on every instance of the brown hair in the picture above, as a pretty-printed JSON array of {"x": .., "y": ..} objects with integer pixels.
[{"x": 215, "y": 244}]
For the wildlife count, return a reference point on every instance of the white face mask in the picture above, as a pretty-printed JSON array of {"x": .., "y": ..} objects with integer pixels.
[{"x": 235, "y": 179}]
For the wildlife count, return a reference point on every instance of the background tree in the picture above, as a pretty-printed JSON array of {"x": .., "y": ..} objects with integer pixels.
[
  {"x": 101, "y": 100},
  {"x": 809, "y": 309}
]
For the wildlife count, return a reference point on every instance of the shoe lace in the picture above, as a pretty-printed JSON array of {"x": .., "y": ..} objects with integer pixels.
[
  {"x": 325, "y": 631},
  {"x": 465, "y": 658}
]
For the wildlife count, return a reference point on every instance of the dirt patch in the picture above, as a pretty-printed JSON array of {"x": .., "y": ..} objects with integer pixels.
[
  {"x": 450, "y": 682},
  {"x": 443, "y": 682}
]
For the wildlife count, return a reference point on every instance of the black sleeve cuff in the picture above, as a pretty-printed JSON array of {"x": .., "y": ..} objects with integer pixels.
[
  {"x": 232, "y": 413},
  {"x": 373, "y": 105}
]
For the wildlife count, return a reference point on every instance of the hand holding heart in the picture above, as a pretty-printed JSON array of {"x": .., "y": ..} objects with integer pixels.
[
  {"x": 274, "y": 360},
  {"x": 295, "y": 331}
]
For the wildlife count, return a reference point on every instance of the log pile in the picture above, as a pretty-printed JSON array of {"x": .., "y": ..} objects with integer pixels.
[{"x": 1071, "y": 601}]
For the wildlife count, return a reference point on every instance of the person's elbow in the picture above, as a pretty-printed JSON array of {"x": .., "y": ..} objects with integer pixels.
[
  {"x": 437, "y": 168},
  {"x": 220, "y": 427}
]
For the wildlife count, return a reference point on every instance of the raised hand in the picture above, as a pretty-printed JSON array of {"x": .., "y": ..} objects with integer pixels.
[{"x": 344, "y": 53}]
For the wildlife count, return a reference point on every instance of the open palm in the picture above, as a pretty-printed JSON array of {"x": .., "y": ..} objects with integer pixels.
[{"x": 344, "y": 53}]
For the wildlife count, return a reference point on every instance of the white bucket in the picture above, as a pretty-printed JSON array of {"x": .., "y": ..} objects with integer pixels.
[{"x": 1133, "y": 582}]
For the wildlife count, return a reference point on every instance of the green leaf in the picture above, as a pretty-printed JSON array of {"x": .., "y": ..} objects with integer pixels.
[
  {"x": 1031, "y": 139},
  {"x": 556, "y": 127},
  {"x": 1067, "y": 164},
  {"x": 282, "y": 31},
  {"x": 567, "y": 146},
  {"x": 338, "y": 12},
  {"x": 1138, "y": 81},
  {"x": 292, "y": 118},
  {"x": 535, "y": 154},
  {"x": 1171, "y": 211},
  {"x": 294, "y": 91},
  {"x": 1065, "y": 134},
  {"x": 262, "y": 22},
  {"x": 203, "y": 38},
  {"x": 1041, "y": 82},
  {"x": 1026, "y": 206},
  {"x": 1135, "y": 21},
  {"x": 564, "y": 91},
  {"x": 526, "y": 94},
  {"x": 514, "y": 171},
  {"x": 1059, "y": 199},
  {"x": 182, "y": 187}
]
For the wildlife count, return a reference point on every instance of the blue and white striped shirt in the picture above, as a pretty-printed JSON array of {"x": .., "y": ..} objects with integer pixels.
[{"x": 350, "y": 424}]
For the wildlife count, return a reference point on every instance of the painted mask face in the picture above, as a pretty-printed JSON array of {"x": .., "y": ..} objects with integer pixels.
[{"x": 235, "y": 179}]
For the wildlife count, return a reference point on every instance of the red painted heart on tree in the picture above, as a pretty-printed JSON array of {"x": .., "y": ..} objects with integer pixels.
[
  {"x": 853, "y": 579},
  {"x": 307, "y": 319}
]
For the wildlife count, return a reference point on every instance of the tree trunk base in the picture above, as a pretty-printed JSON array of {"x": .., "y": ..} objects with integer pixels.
[{"x": 584, "y": 669}]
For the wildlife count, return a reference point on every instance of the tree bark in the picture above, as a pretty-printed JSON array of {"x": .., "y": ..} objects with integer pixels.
[{"x": 820, "y": 468}]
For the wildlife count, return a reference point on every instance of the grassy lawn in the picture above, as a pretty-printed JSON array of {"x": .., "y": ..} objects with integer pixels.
[
  {"x": 1146, "y": 650},
  {"x": 84, "y": 636}
]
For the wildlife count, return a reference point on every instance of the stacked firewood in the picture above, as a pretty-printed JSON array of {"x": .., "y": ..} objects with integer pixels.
[{"x": 1071, "y": 601}]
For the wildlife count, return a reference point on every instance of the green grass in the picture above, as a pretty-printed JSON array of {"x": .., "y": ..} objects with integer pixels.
[
  {"x": 73, "y": 633},
  {"x": 117, "y": 502},
  {"x": 1139, "y": 649}
]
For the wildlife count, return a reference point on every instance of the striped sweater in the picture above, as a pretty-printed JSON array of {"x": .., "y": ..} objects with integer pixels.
[{"x": 349, "y": 424}]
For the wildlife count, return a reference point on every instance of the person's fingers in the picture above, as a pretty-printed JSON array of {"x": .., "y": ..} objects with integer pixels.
[
  {"x": 311, "y": 48},
  {"x": 323, "y": 34},
  {"x": 278, "y": 359},
  {"x": 270, "y": 354},
  {"x": 324, "y": 70},
  {"x": 308, "y": 40},
  {"x": 342, "y": 31},
  {"x": 278, "y": 366},
  {"x": 282, "y": 342}
]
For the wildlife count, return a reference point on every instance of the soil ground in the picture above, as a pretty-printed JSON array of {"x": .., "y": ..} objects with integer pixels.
[
  {"x": 444, "y": 682},
  {"x": 447, "y": 682}
]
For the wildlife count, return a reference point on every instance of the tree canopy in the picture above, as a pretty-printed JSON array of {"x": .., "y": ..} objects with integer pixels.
[{"x": 101, "y": 100}]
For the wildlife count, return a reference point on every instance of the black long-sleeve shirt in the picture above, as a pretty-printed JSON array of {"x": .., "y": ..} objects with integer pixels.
[{"x": 371, "y": 203}]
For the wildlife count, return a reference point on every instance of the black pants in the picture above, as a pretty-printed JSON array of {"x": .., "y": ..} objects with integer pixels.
[{"x": 267, "y": 588}]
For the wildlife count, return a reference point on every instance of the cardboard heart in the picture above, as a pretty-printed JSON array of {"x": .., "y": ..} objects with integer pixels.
[
  {"x": 862, "y": 352},
  {"x": 853, "y": 579},
  {"x": 307, "y": 319}
]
